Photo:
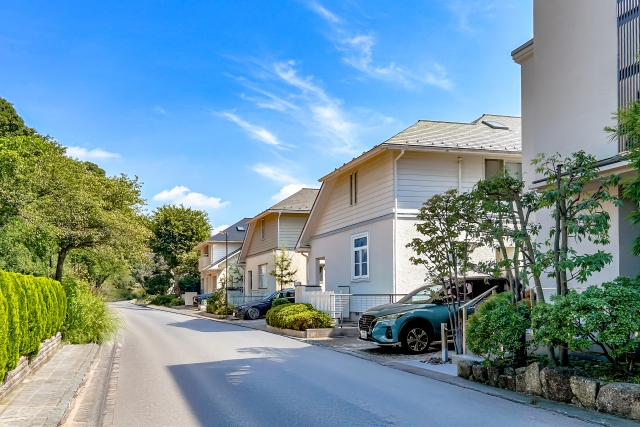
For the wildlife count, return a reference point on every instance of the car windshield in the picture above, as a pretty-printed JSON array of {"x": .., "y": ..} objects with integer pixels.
[
  {"x": 423, "y": 295},
  {"x": 271, "y": 296}
]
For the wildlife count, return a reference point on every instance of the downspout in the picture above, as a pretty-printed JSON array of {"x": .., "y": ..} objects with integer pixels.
[
  {"x": 459, "y": 175},
  {"x": 395, "y": 215}
]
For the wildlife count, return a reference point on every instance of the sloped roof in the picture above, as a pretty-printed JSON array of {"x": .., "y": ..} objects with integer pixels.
[
  {"x": 300, "y": 201},
  {"x": 232, "y": 253},
  {"x": 234, "y": 234},
  {"x": 476, "y": 135}
]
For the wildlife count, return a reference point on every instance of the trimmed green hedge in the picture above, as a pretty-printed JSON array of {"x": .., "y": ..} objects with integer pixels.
[
  {"x": 299, "y": 317},
  {"x": 32, "y": 309},
  {"x": 279, "y": 301}
]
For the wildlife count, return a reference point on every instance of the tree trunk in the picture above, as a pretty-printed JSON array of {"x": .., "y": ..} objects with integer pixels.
[{"x": 62, "y": 255}]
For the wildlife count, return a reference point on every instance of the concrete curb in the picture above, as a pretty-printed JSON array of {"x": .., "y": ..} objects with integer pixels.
[{"x": 596, "y": 418}]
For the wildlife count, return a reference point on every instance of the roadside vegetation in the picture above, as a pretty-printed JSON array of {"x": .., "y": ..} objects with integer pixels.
[{"x": 299, "y": 317}]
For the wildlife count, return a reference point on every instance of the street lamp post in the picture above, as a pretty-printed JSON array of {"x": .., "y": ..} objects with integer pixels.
[{"x": 226, "y": 272}]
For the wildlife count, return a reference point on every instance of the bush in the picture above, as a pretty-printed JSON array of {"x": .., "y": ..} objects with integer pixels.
[
  {"x": 279, "y": 301},
  {"x": 216, "y": 304},
  {"x": 497, "y": 326},
  {"x": 607, "y": 315},
  {"x": 31, "y": 309},
  {"x": 162, "y": 299},
  {"x": 299, "y": 317},
  {"x": 177, "y": 301},
  {"x": 89, "y": 318}
]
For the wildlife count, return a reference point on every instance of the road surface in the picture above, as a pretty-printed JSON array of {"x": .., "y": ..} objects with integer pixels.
[{"x": 177, "y": 370}]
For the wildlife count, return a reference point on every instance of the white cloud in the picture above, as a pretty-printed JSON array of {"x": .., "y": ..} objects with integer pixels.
[
  {"x": 95, "y": 154},
  {"x": 274, "y": 174},
  {"x": 323, "y": 13},
  {"x": 439, "y": 78},
  {"x": 181, "y": 195},
  {"x": 255, "y": 132},
  {"x": 287, "y": 191},
  {"x": 218, "y": 229}
]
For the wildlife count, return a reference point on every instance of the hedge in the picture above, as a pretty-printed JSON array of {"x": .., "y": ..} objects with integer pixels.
[
  {"x": 32, "y": 309},
  {"x": 279, "y": 301},
  {"x": 299, "y": 317}
]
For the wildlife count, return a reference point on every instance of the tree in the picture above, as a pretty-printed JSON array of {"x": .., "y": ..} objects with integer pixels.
[
  {"x": 235, "y": 276},
  {"x": 283, "y": 271},
  {"x": 11, "y": 124},
  {"x": 450, "y": 227},
  {"x": 579, "y": 215}
]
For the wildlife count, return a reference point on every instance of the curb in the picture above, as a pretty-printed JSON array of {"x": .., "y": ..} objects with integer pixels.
[{"x": 592, "y": 417}]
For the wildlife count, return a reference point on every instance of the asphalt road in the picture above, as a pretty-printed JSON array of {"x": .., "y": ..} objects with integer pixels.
[{"x": 177, "y": 370}]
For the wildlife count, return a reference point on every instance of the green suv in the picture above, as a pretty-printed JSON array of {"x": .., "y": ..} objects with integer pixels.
[{"x": 414, "y": 321}]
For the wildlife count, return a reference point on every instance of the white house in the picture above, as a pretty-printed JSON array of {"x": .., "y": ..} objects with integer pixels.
[
  {"x": 365, "y": 214},
  {"x": 576, "y": 71},
  {"x": 268, "y": 232},
  {"x": 217, "y": 251}
]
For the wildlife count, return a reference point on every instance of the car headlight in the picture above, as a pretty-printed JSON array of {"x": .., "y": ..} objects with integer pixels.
[{"x": 391, "y": 316}]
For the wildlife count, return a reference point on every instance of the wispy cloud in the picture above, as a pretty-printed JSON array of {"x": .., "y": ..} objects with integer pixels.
[
  {"x": 274, "y": 174},
  {"x": 286, "y": 191},
  {"x": 95, "y": 154},
  {"x": 357, "y": 48},
  {"x": 218, "y": 229},
  {"x": 465, "y": 10},
  {"x": 255, "y": 132},
  {"x": 181, "y": 195}
]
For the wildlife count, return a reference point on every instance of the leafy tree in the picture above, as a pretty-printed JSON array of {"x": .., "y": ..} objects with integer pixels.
[
  {"x": 153, "y": 274},
  {"x": 283, "y": 270},
  {"x": 235, "y": 276},
  {"x": 11, "y": 124},
  {"x": 451, "y": 233},
  {"x": 579, "y": 215}
]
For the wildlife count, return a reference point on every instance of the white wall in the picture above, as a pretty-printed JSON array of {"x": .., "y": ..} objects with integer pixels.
[
  {"x": 336, "y": 249},
  {"x": 253, "y": 262}
]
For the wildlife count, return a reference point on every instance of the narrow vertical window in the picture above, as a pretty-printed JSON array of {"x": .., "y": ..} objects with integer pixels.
[
  {"x": 250, "y": 279},
  {"x": 263, "y": 276},
  {"x": 262, "y": 229},
  {"x": 353, "y": 188},
  {"x": 360, "y": 256}
]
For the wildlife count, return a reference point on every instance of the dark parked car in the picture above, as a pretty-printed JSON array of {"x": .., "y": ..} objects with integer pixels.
[
  {"x": 256, "y": 309},
  {"x": 197, "y": 300}
]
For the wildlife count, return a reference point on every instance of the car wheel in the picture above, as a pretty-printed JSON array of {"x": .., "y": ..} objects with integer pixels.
[
  {"x": 253, "y": 313},
  {"x": 415, "y": 339}
]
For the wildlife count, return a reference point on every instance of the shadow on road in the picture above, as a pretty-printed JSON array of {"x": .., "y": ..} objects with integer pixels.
[{"x": 204, "y": 325}]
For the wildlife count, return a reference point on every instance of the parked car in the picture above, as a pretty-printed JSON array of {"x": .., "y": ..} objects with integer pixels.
[
  {"x": 197, "y": 300},
  {"x": 256, "y": 309},
  {"x": 414, "y": 321}
]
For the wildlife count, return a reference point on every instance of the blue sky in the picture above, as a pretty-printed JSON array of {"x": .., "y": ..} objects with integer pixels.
[{"x": 229, "y": 106}]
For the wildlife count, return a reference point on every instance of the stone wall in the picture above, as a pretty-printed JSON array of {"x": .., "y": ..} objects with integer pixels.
[{"x": 26, "y": 366}]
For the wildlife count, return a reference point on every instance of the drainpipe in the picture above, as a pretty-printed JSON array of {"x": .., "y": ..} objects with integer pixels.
[
  {"x": 395, "y": 214},
  {"x": 459, "y": 175}
]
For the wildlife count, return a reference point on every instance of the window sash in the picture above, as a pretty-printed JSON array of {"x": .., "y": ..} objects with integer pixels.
[{"x": 360, "y": 256}]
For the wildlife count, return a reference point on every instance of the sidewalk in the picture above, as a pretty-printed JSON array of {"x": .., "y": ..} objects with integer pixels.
[{"x": 45, "y": 395}]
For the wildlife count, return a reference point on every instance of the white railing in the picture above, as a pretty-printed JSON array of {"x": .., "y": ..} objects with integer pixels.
[{"x": 340, "y": 306}]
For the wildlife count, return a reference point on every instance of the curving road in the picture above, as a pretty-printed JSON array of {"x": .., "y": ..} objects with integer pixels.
[{"x": 177, "y": 370}]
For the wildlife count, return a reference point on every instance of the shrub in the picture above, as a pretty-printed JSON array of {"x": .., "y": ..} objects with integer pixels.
[
  {"x": 608, "y": 316},
  {"x": 14, "y": 318},
  {"x": 89, "y": 318},
  {"x": 299, "y": 317},
  {"x": 162, "y": 299},
  {"x": 497, "y": 326},
  {"x": 177, "y": 301},
  {"x": 216, "y": 304},
  {"x": 279, "y": 301}
]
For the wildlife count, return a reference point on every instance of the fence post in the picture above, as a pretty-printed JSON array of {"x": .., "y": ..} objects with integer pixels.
[{"x": 445, "y": 342}]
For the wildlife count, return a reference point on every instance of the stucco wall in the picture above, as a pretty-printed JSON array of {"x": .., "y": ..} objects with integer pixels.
[
  {"x": 253, "y": 262},
  {"x": 335, "y": 248}
]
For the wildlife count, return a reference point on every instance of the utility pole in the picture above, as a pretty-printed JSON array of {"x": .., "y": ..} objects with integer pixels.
[{"x": 226, "y": 271}]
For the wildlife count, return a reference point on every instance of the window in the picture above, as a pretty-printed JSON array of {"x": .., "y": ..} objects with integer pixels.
[
  {"x": 240, "y": 228},
  {"x": 262, "y": 228},
  {"x": 514, "y": 169},
  {"x": 492, "y": 167},
  {"x": 320, "y": 262},
  {"x": 353, "y": 188},
  {"x": 360, "y": 256},
  {"x": 263, "y": 276},
  {"x": 250, "y": 279}
]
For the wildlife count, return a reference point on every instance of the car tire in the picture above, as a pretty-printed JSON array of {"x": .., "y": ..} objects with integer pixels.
[
  {"x": 253, "y": 313},
  {"x": 415, "y": 339}
]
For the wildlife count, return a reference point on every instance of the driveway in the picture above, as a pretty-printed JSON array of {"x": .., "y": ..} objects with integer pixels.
[{"x": 177, "y": 370}]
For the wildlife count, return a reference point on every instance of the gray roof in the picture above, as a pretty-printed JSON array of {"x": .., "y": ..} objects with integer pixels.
[
  {"x": 234, "y": 234},
  {"x": 464, "y": 136},
  {"x": 301, "y": 201}
]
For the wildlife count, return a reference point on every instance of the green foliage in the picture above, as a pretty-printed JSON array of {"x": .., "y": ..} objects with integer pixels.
[
  {"x": 4, "y": 332},
  {"x": 176, "y": 301},
  {"x": 216, "y": 304},
  {"x": 607, "y": 316},
  {"x": 16, "y": 318},
  {"x": 176, "y": 231},
  {"x": 283, "y": 271},
  {"x": 279, "y": 301},
  {"x": 89, "y": 318},
  {"x": 162, "y": 299},
  {"x": 299, "y": 317},
  {"x": 498, "y": 326},
  {"x": 189, "y": 284},
  {"x": 11, "y": 124}
]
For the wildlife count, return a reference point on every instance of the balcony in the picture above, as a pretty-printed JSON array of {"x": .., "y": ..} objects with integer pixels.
[{"x": 203, "y": 261}]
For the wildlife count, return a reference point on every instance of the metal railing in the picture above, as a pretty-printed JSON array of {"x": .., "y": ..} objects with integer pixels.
[{"x": 241, "y": 299}]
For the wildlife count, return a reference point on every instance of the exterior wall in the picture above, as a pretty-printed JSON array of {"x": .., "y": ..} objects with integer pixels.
[
  {"x": 573, "y": 87},
  {"x": 253, "y": 262},
  {"x": 336, "y": 250},
  {"x": 422, "y": 175},
  {"x": 375, "y": 195},
  {"x": 291, "y": 226},
  {"x": 257, "y": 244}
]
